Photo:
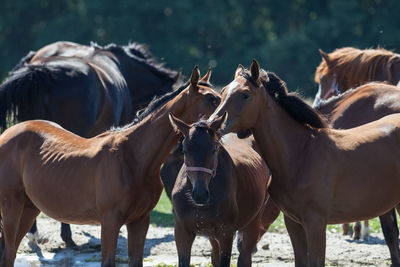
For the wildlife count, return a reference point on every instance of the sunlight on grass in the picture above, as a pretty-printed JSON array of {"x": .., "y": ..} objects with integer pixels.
[{"x": 162, "y": 214}]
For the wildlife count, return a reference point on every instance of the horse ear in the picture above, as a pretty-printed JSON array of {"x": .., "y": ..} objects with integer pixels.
[
  {"x": 206, "y": 78},
  {"x": 255, "y": 70},
  {"x": 238, "y": 70},
  {"x": 325, "y": 56},
  {"x": 178, "y": 125},
  {"x": 219, "y": 122},
  {"x": 194, "y": 78}
]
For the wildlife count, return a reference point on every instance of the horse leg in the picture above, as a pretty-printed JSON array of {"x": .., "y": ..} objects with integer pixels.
[
  {"x": 215, "y": 252},
  {"x": 66, "y": 235},
  {"x": 28, "y": 217},
  {"x": 137, "y": 231},
  {"x": 33, "y": 234},
  {"x": 356, "y": 230},
  {"x": 110, "y": 225},
  {"x": 249, "y": 243},
  {"x": 11, "y": 212},
  {"x": 183, "y": 240},
  {"x": 315, "y": 228},
  {"x": 346, "y": 228},
  {"x": 299, "y": 242},
  {"x": 365, "y": 230},
  {"x": 225, "y": 245},
  {"x": 391, "y": 234}
]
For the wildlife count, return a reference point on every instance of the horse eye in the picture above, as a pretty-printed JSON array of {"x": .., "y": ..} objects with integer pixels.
[{"x": 245, "y": 95}]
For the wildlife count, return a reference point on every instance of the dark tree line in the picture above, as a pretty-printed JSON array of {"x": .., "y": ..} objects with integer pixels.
[{"x": 283, "y": 35}]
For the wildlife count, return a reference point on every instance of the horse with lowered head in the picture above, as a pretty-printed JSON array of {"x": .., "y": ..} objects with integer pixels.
[
  {"x": 110, "y": 179},
  {"x": 314, "y": 167},
  {"x": 221, "y": 188},
  {"x": 350, "y": 67}
]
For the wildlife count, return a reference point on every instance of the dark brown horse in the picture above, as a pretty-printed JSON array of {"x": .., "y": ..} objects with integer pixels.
[
  {"x": 314, "y": 167},
  {"x": 350, "y": 67},
  {"x": 85, "y": 89},
  {"x": 355, "y": 107},
  {"x": 110, "y": 179},
  {"x": 221, "y": 188}
]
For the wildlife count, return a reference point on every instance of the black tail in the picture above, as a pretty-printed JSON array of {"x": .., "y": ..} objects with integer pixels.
[{"x": 24, "y": 94}]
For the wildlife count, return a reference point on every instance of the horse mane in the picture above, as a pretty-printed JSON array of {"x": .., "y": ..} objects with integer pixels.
[
  {"x": 154, "y": 105},
  {"x": 350, "y": 63},
  {"x": 291, "y": 102},
  {"x": 23, "y": 61},
  {"x": 141, "y": 53}
]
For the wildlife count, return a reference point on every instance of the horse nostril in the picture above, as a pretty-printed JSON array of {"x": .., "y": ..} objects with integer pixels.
[{"x": 200, "y": 197}]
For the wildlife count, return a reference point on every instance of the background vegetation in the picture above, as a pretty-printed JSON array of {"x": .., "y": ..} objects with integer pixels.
[{"x": 283, "y": 35}]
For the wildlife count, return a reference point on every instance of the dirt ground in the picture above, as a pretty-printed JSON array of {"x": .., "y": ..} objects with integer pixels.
[{"x": 273, "y": 250}]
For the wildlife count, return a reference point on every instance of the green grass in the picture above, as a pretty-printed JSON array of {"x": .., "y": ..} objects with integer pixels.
[{"x": 162, "y": 216}]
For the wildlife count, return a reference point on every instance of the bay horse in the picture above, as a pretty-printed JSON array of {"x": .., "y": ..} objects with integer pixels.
[
  {"x": 221, "y": 188},
  {"x": 355, "y": 107},
  {"x": 349, "y": 67},
  {"x": 314, "y": 167},
  {"x": 85, "y": 89},
  {"x": 110, "y": 179}
]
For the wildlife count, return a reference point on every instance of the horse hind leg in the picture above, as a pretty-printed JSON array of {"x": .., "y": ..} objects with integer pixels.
[
  {"x": 251, "y": 235},
  {"x": 28, "y": 217},
  {"x": 346, "y": 228},
  {"x": 365, "y": 230},
  {"x": 357, "y": 230},
  {"x": 391, "y": 233}
]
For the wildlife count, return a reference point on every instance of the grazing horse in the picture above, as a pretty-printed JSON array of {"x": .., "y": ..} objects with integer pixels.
[
  {"x": 355, "y": 107},
  {"x": 350, "y": 67},
  {"x": 110, "y": 179},
  {"x": 314, "y": 167},
  {"x": 221, "y": 188},
  {"x": 85, "y": 89}
]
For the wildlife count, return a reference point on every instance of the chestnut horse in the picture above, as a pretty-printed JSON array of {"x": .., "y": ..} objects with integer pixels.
[
  {"x": 221, "y": 188},
  {"x": 314, "y": 167},
  {"x": 350, "y": 67},
  {"x": 111, "y": 179},
  {"x": 85, "y": 89},
  {"x": 355, "y": 107}
]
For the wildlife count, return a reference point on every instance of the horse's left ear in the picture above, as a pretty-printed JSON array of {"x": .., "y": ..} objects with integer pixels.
[
  {"x": 325, "y": 56},
  {"x": 178, "y": 125},
  {"x": 206, "y": 78},
  {"x": 255, "y": 70},
  {"x": 219, "y": 122},
  {"x": 194, "y": 78}
]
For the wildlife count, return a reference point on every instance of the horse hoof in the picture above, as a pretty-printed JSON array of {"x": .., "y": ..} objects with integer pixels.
[{"x": 71, "y": 244}]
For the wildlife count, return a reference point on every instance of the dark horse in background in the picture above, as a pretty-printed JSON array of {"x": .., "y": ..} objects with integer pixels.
[{"x": 85, "y": 89}]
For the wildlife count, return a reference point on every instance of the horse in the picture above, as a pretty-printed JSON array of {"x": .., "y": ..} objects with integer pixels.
[
  {"x": 350, "y": 67},
  {"x": 221, "y": 188},
  {"x": 110, "y": 179},
  {"x": 314, "y": 167},
  {"x": 355, "y": 107},
  {"x": 85, "y": 89}
]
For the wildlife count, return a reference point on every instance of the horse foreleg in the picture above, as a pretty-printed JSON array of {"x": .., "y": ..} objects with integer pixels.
[
  {"x": 391, "y": 234},
  {"x": 183, "y": 240},
  {"x": 356, "y": 230},
  {"x": 225, "y": 245},
  {"x": 215, "y": 252},
  {"x": 315, "y": 227},
  {"x": 110, "y": 225},
  {"x": 299, "y": 242},
  {"x": 137, "y": 231},
  {"x": 67, "y": 236},
  {"x": 365, "y": 230},
  {"x": 11, "y": 212},
  {"x": 249, "y": 242}
]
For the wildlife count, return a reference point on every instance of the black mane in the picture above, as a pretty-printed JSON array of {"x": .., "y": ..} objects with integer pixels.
[
  {"x": 142, "y": 54},
  {"x": 291, "y": 102}
]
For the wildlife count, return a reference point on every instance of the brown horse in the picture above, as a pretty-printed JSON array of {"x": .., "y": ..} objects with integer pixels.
[
  {"x": 314, "y": 167},
  {"x": 221, "y": 188},
  {"x": 111, "y": 179},
  {"x": 350, "y": 67},
  {"x": 355, "y": 107}
]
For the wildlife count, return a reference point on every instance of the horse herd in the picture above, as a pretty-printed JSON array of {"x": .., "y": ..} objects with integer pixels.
[{"x": 248, "y": 153}]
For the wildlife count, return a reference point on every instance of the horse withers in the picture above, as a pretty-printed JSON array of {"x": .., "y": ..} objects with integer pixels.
[
  {"x": 221, "y": 188},
  {"x": 111, "y": 179},
  {"x": 314, "y": 167}
]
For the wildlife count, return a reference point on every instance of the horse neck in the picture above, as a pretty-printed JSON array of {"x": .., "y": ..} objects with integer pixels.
[
  {"x": 152, "y": 139},
  {"x": 328, "y": 108},
  {"x": 281, "y": 139}
]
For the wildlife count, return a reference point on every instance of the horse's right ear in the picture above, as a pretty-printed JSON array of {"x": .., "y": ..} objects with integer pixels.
[
  {"x": 255, "y": 70},
  {"x": 219, "y": 122},
  {"x": 178, "y": 125},
  {"x": 194, "y": 78},
  {"x": 239, "y": 70},
  {"x": 206, "y": 78},
  {"x": 325, "y": 56}
]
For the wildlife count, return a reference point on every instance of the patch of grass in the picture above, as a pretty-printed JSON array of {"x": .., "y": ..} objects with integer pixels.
[
  {"x": 94, "y": 258},
  {"x": 162, "y": 214}
]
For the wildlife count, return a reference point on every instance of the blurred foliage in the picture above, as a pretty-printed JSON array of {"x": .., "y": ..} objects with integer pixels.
[{"x": 283, "y": 35}]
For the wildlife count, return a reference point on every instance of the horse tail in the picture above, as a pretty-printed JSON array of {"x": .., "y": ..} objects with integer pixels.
[{"x": 24, "y": 94}]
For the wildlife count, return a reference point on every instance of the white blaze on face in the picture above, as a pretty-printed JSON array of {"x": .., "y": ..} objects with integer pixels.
[
  {"x": 317, "y": 98},
  {"x": 230, "y": 89}
]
